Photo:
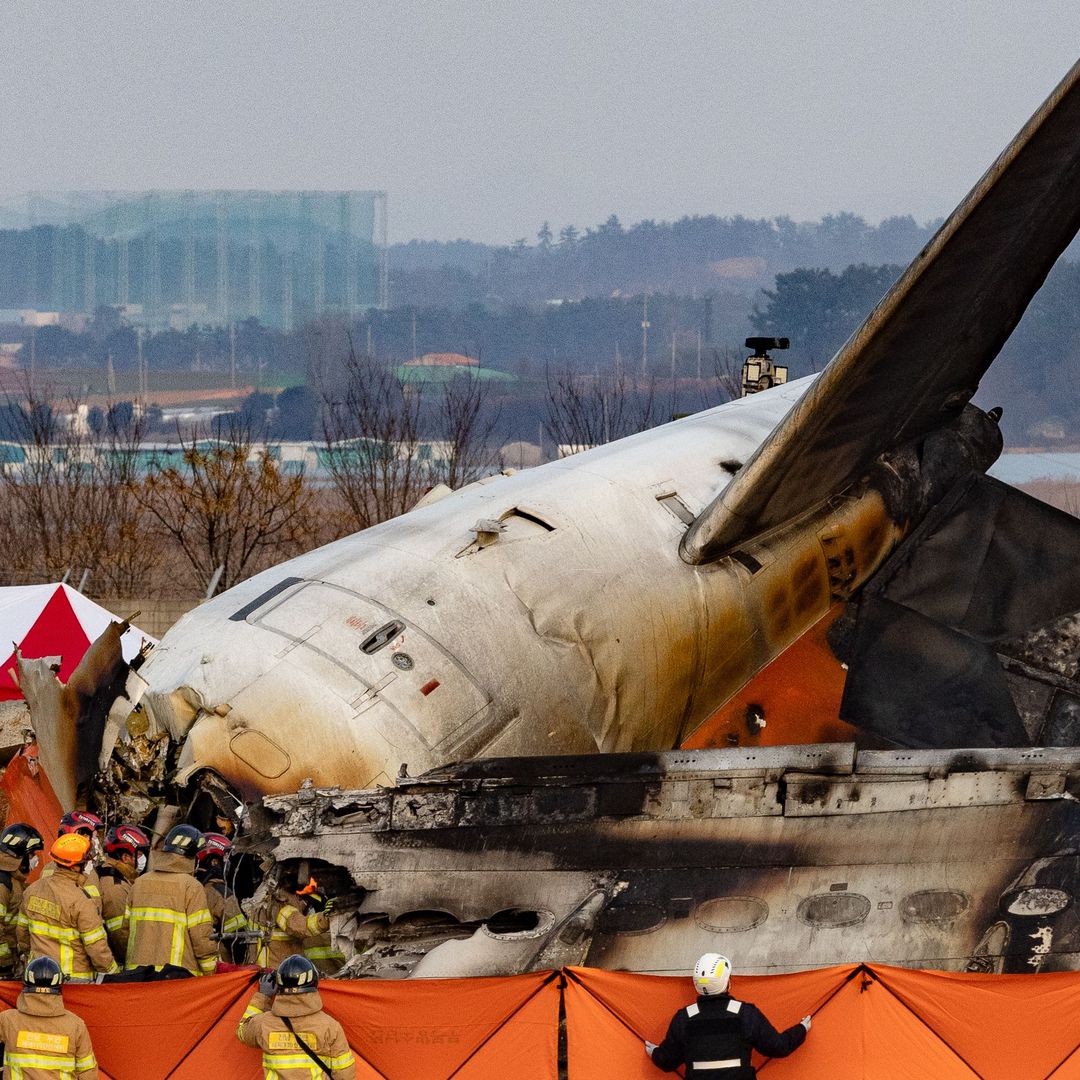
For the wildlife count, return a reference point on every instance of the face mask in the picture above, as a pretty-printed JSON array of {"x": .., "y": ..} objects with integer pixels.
[{"x": 140, "y": 863}]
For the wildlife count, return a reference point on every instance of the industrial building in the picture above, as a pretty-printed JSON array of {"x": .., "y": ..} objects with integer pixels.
[{"x": 172, "y": 258}]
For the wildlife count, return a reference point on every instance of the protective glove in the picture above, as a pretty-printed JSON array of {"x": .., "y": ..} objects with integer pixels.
[
  {"x": 266, "y": 983},
  {"x": 806, "y": 1021},
  {"x": 649, "y": 1047},
  {"x": 320, "y": 903}
]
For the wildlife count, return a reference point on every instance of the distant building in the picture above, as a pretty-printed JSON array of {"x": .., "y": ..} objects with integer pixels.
[
  {"x": 442, "y": 367},
  {"x": 29, "y": 317},
  {"x": 282, "y": 257}
]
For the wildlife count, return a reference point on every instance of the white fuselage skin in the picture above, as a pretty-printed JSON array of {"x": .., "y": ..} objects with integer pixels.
[{"x": 577, "y": 628}]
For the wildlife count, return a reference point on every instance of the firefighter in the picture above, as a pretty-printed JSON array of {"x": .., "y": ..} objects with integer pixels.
[
  {"x": 83, "y": 823},
  {"x": 714, "y": 1036},
  {"x": 297, "y": 1039},
  {"x": 225, "y": 913},
  {"x": 288, "y": 919},
  {"x": 59, "y": 919},
  {"x": 41, "y": 1039},
  {"x": 127, "y": 848},
  {"x": 19, "y": 845},
  {"x": 168, "y": 921}
]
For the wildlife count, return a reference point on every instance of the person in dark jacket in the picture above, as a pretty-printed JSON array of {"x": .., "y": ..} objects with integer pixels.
[{"x": 714, "y": 1037}]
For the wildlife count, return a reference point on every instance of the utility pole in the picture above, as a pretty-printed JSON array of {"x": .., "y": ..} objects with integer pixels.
[
  {"x": 232, "y": 356},
  {"x": 33, "y": 356},
  {"x": 370, "y": 346},
  {"x": 141, "y": 367},
  {"x": 414, "y": 334},
  {"x": 699, "y": 355},
  {"x": 644, "y": 333}
]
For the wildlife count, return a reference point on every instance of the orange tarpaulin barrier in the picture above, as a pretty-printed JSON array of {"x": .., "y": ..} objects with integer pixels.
[
  {"x": 28, "y": 796},
  {"x": 422, "y": 1030},
  {"x": 609, "y": 1014},
  {"x": 434, "y": 1029},
  {"x": 870, "y": 1023}
]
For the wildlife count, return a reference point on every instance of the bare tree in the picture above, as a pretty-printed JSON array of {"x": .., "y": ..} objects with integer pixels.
[
  {"x": 227, "y": 503},
  {"x": 590, "y": 410},
  {"x": 67, "y": 501},
  {"x": 387, "y": 445},
  {"x": 371, "y": 427},
  {"x": 466, "y": 426},
  {"x": 727, "y": 377}
]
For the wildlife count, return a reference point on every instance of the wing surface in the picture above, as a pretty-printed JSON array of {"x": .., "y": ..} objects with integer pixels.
[{"x": 917, "y": 359}]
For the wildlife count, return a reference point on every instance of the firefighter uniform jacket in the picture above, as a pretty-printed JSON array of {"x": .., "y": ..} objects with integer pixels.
[
  {"x": 116, "y": 877},
  {"x": 167, "y": 918},
  {"x": 714, "y": 1036},
  {"x": 323, "y": 955},
  {"x": 43, "y": 1041},
  {"x": 59, "y": 919},
  {"x": 91, "y": 881},
  {"x": 225, "y": 913},
  {"x": 283, "y": 1057},
  {"x": 11, "y": 889},
  {"x": 284, "y": 928}
]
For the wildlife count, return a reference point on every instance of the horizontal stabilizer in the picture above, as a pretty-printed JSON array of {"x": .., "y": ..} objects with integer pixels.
[{"x": 919, "y": 356}]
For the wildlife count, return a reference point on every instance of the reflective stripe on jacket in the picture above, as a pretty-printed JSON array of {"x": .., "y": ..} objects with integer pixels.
[
  {"x": 58, "y": 919},
  {"x": 116, "y": 878},
  {"x": 283, "y": 1058},
  {"x": 43, "y": 1041},
  {"x": 284, "y": 929},
  {"x": 167, "y": 918},
  {"x": 11, "y": 890},
  {"x": 225, "y": 913}
]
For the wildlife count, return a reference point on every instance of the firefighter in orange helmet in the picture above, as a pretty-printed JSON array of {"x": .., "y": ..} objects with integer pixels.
[{"x": 59, "y": 919}]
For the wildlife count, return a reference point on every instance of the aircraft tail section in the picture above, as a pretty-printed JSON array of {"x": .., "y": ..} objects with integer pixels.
[{"x": 917, "y": 359}]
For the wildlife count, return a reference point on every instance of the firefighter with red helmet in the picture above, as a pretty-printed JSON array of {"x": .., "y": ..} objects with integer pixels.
[
  {"x": 127, "y": 848},
  {"x": 285, "y": 1020},
  {"x": 84, "y": 823},
  {"x": 210, "y": 868},
  {"x": 41, "y": 1039},
  {"x": 19, "y": 847},
  {"x": 60, "y": 919},
  {"x": 167, "y": 918}
]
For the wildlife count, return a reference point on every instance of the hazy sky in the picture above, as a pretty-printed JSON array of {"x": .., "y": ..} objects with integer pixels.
[{"x": 484, "y": 119}]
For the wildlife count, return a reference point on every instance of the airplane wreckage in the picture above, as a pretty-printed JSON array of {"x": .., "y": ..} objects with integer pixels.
[{"x": 791, "y": 677}]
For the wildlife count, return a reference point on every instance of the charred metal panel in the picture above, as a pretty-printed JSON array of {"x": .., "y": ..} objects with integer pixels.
[
  {"x": 943, "y": 859},
  {"x": 971, "y": 626}
]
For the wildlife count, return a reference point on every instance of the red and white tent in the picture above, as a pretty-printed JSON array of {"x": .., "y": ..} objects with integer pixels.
[{"x": 52, "y": 620}]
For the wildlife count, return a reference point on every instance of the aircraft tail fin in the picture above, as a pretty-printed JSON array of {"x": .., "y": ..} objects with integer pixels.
[{"x": 917, "y": 359}]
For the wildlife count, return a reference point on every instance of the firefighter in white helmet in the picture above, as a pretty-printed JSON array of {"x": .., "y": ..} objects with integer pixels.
[{"x": 714, "y": 1037}]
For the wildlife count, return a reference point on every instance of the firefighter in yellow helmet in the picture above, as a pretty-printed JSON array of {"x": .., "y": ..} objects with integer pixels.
[
  {"x": 41, "y": 1039},
  {"x": 59, "y": 919},
  {"x": 168, "y": 922},
  {"x": 285, "y": 1020}
]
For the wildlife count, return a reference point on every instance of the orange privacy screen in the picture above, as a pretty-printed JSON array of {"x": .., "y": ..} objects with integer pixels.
[{"x": 869, "y": 1024}]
